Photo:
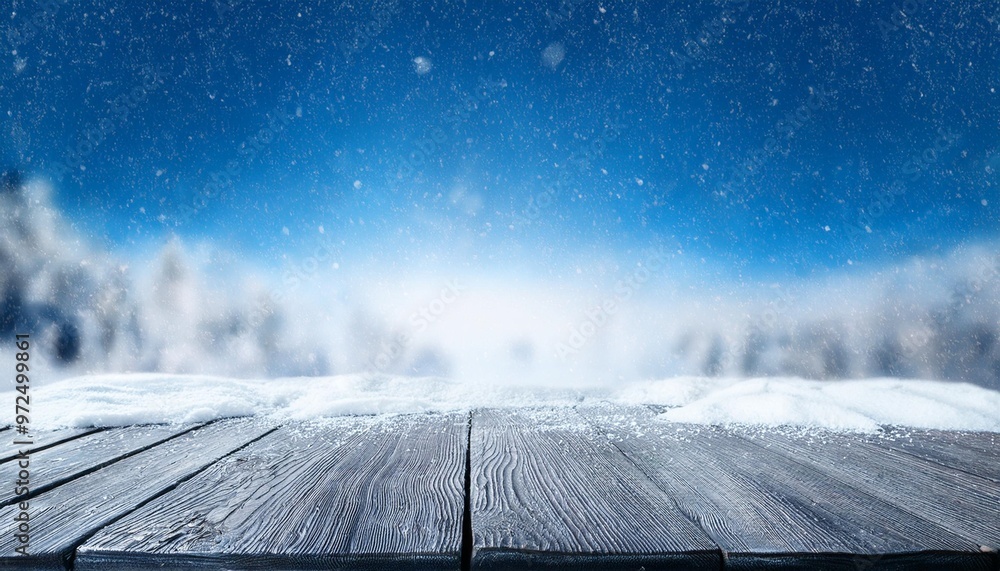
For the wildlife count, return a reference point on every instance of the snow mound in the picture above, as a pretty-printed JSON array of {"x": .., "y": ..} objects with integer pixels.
[
  {"x": 857, "y": 405},
  {"x": 854, "y": 405}
]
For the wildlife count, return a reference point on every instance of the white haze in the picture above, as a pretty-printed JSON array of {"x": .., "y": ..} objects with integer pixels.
[{"x": 91, "y": 312}]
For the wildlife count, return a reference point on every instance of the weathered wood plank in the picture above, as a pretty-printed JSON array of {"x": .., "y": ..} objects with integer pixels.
[
  {"x": 767, "y": 511},
  {"x": 56, "y": 464},
  {"x": 44, "y": 439},
  {"x": 64, "y": 516},
  {"x": 355, "y": 492},
  {"x": 966, "y": 504},
  {"x": 547, "y": 491},
  {"x": 974, "y": 452}
]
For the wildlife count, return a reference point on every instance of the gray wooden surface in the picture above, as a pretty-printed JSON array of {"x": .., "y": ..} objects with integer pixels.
[
  {"x": 767, "y": 510},
  {"x": 596, "y": 487},
  {"x": 78, "y": 456},
  {"x": 40, "y": 440},
  {"x": 959, "y": 501},
  {"x": 65, "y": 516},
  {"x": 974, "y": 452},
  {"x": 547, "y": 489},
  {"x": 355, "y": 492}
]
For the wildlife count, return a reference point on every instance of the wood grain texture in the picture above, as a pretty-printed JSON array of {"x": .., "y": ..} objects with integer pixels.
[
  {"x": 547, "y": 491},
  {"x": 64, "y": 516},
  {"x": 767, "y": 511},
  {"x": 965, "y": 504},
  {"x": 43, "y": 440},
  {"x": 62, "y": 462},
  {"x": 974, "y": 452},
  {"x": 368, "y": 492}
]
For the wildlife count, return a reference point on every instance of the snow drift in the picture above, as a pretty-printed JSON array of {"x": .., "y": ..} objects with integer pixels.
[{"x": 863, "y": 405}]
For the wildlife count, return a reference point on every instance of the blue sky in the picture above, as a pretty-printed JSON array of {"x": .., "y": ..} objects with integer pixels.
[{"x": 622, "y": 122}]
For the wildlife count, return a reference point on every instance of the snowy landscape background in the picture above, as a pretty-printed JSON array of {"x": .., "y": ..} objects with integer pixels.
[
  {"x": 928, "y": 317},
  {"x": 567, "y": 196}
]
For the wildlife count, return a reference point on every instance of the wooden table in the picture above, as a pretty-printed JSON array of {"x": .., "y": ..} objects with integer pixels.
[{"x": 602, "y": 487}]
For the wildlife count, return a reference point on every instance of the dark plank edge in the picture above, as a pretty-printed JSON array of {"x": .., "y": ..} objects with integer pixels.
[
  {"x": 122, "y": 561},
  {"x": 937, "y": 560},
  {"x": 35, "y": 491},
  {"x": 46, "y": 562},
  {"x": 517, "y": 560}
]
